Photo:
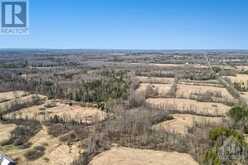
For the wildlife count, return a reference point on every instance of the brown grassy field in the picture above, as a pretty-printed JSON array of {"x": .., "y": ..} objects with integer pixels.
[
  {"x": 182, "y": 122},
  {"x": 209, "y": 83},
  {"x": 5, "y": 132},
  {"x": 54, "y": 148},
  {"x": 67, "y": 112},
  {"x": 154, "y": 80},
  {"x": 168, "y": 66},
  {"x": 239, "y": 78},
  {"x": 215, "y": 94},
  {"x": 245, "y": 95},
  {"x": 188, "y": 106},
  {"x": 6, "y": 96},
  {"x": 4, "y": 106},
  {"x": 242, "y": 67},
  {"x": 129, "y": 156}
]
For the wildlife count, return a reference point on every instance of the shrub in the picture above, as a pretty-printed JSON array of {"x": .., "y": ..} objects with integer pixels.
[
  {"x": 215, "y": 133},
  {"x": 50, "y": 104},
  {"x": 35, "y": 153},
  {"x": 151, "y": 91},
  {"x": 228, "y": 146},
  {"x": 136, "y": 100},
  {"x": 211, "y": 157},
  {"x": 238, "y": 113}
]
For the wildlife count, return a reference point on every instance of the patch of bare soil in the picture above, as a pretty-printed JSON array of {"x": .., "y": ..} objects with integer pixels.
[
  {"x": 129, "y": 156},
  {"x": 187, "y": 106},
  {"x": 182, "y": 122}
]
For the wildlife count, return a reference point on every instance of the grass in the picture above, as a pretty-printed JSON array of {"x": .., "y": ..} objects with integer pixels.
[{"x": 23, "y": 132}]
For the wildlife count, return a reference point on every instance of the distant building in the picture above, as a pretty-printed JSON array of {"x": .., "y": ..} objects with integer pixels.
[{"x": 4, "y": 160}]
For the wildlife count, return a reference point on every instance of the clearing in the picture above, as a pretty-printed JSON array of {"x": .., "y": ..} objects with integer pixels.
[
  {"x": 188, "y": 106},
  {"x": 5, "y": 132},
  {"x": 26, "y": 100},
  {"x": 155, "y": 80},
  {"x": 69, "y": 113},
  {"x": 239, "y": 78},
  {"x": 209, "y": 93},
  {"x": 182, "y": 122},
  {"x": 127, "y": 156},
  {"x": 56, "y": 152},
  {"x": 6, "y": 96}
]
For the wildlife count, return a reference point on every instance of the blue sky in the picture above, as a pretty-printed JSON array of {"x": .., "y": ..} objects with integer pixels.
[{"x": 135, "y": 24}]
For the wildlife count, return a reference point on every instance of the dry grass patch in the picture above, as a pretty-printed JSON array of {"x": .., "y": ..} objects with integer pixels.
[
  {"x": 155, "y": 80},
  {"x": 212, "y": 83},
  {"x": 5, "y": 132},
  {"x": 239, "y": 78},
  {"x": 167, "y": 66},
  {"x": 182, "y": 122},
  {"x": 127, "y": 156},
  {"x": 54, "y": 151},
  {"x": 6, "y": 96},
  {"x": 242, "y": 68},
  {"x": 204, "y": 93},
  {"x": 188, "y": 106},
  {"x": 21, "y": 102},
  {"x": 244, "y": 95},
  {"x": 63, "y": 111}
]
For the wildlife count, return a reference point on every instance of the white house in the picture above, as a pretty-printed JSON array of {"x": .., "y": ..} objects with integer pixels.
[{"x": 4, "y": 160}]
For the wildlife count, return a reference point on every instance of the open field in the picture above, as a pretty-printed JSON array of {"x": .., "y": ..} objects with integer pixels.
[
  {"x": 21, "y": 101},
  {"x": 188, "y": 106},
  {"x": 209, "y": 83},
  {"x": 127, "y": 156},
  {"x": 182, "y": 122},
  {"x": 241, "y": 79},
  {"x": 242, "y": 68},
  {"x": 5, "y": 132},
  {"x": 155, "y": 80},
  {"x": 245, "y": 95},
  {"x": 64, "y": 153},
  {"x": 204, "y": 93},
  {"x": 69, "y": 113},
  {"x": 6, "y": 96}
]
